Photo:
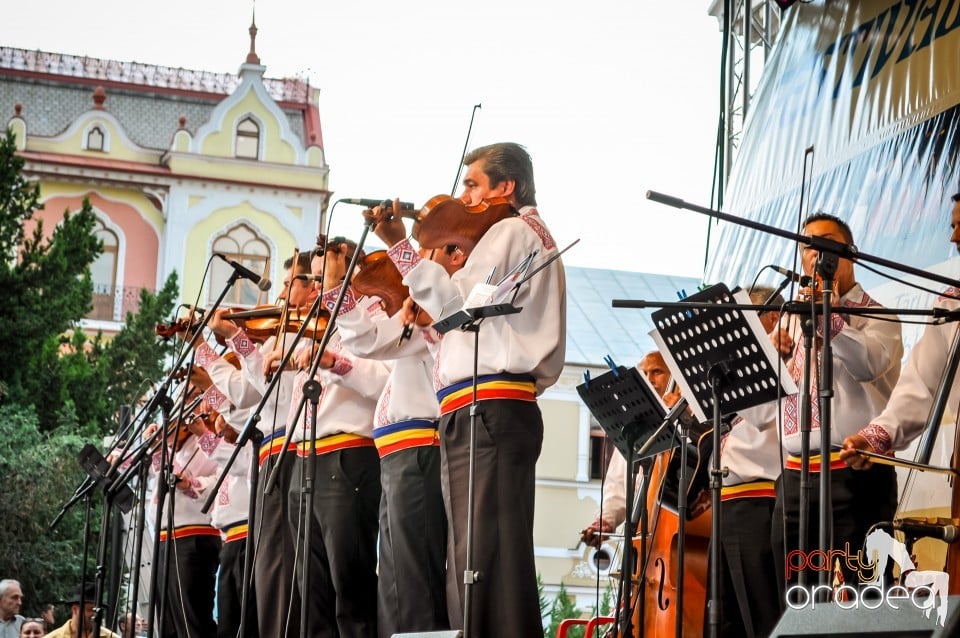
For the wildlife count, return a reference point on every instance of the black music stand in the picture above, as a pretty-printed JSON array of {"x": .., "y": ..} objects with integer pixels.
[
  {"x": 723, "y": 362},
  {"x": 632, "y": 415}
]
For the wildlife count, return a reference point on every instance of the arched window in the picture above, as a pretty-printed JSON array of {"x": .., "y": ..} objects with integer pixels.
[
  {"x": 248, "y": 139},
  {"x": 103, "y": 271},
  {"x": 95, "y": 139},
  {"x": 243, "y": 245}
]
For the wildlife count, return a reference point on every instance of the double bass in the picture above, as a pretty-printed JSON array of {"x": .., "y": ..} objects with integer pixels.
[{"x": 659, "y": 565}]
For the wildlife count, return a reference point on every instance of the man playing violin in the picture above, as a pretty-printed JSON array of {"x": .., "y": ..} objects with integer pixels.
[
  {"x": 413, "y": 523},
  {"x": 338, "y": 443},
  {"x": 866, "y": 365},
  {"x": 277, "y": 600},
  {"x": 520, "y": 355}
]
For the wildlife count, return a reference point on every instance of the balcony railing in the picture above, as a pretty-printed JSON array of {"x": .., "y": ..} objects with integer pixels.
[{"x": 112, "y": 303}]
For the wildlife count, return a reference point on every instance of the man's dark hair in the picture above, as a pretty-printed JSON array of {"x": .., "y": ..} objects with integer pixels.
[
  {"x": 507, "y": 160},
  {"x": 955, "y": 197},
  {"x": 821, "y": 216},
  {"x": 303, "y": 263}
]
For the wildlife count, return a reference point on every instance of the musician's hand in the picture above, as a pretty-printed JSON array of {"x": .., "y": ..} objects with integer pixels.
[
  {"x": 221, "y": 326},
  {"x": 670, "y": 398},
  {"x": 849, "y": 453},
  {"x": 200, "y": 378},
  {"x": 593, "y": 533},
  {"x": 783, "y": 342},
  {"x": 327, "y": 360},
  {"x": 182, "y": 481},
  {"x": 195, "y": 426},
  {"x": 389, "y": 226},
  {"x": 271, "y": 361},
  {"x": 149, "y": 430},
  {"x": 225, "y": 430},
  {"x": 302, "y": 358}
]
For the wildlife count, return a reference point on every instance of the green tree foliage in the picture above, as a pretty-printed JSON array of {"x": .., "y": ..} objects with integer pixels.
[
  {"x": 59, "y": 389},
  {"x": 135, "y": 357},
  {"x": 563, "y": 607},
  {"x": 65, "y": 376},
  {"x": 39, "y": 472},
  {"x": 46, "y": 283}
]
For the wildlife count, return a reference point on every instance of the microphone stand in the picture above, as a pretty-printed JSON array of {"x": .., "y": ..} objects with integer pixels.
[{"x": 826, "y": 267}]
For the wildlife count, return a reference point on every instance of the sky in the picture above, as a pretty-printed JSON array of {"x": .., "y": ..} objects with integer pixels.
[{"x": 611, "y": 97}]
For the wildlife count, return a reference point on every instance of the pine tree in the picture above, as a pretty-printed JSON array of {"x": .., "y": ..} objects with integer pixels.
[{"x": 46, "y": 285}]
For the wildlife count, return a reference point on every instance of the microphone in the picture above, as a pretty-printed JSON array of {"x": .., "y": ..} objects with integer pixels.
[
  {"x": 803, "y": 280},
  {"x": 928, "y": 528},
  {"x": 370, "y": 203},
  {"x": 245, "y": 273}
]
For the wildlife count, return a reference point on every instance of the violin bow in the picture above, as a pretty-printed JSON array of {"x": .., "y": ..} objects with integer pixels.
[{"x": 466, "y": 144}]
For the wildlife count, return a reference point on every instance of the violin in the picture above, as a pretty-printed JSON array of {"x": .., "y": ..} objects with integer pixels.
[
  {"x": 447, "y": 221},
  {"x": 379, "y": 277},
  {"x": 263, "y": 322}
]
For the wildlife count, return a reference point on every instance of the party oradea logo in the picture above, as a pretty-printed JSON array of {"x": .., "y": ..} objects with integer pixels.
[{"x": 924, "y": 590}]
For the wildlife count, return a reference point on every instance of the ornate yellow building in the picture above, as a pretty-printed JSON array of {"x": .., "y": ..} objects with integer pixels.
[{"x": 177, "y": 164}]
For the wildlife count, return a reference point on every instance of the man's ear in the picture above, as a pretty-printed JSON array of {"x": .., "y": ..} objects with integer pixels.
[{"x": 507, "y": 187}]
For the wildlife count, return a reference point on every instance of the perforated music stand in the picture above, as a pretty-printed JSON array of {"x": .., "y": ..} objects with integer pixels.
[
  {"x": 632, "y": 416},
  {"x": 723, "y": 362},
  {"x": 628, "y": 410}
]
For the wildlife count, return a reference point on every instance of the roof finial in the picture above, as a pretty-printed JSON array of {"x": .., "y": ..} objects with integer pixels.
[{"x": 252, "y": 57}]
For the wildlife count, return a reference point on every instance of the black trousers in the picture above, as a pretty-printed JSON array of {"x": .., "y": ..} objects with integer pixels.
[
  {"x": 342, "y": 561},
  {"x": 278, "y": 599},
  {"x": 861, "y": 498},
  {"x": 749, "y": 596},
  {"x": 190, "y": 588},
  {"x": 230, "y": 593},
  {"x": 413, "y": 544},
  {"x": 505, "y": 601}
]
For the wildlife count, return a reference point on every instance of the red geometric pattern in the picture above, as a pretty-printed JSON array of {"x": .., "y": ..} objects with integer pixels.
[
  {"x": 532, "y": 219},
  {"x": 242, "y": 344},
  {"x": 404, "y": 256},
  {"x": 878, "y": 438},
  {"x": 205, "y": 355},
  {"x": 214, "y": 398},
  {"x": 791, "y": 408}
]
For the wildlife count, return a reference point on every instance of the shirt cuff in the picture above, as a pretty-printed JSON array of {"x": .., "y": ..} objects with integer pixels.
[
  {"x": 242, "y": 344},
  {"x": 209, "y": 442},
  {"x": 330, "y": 301},
  {"x": 341, "y": 365},
  {"x": 205, "y": 355},
  {"x": 404, "y": 256},
  {"x": 214, "y": 398},
  {"x": 878, "y": 438}
]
